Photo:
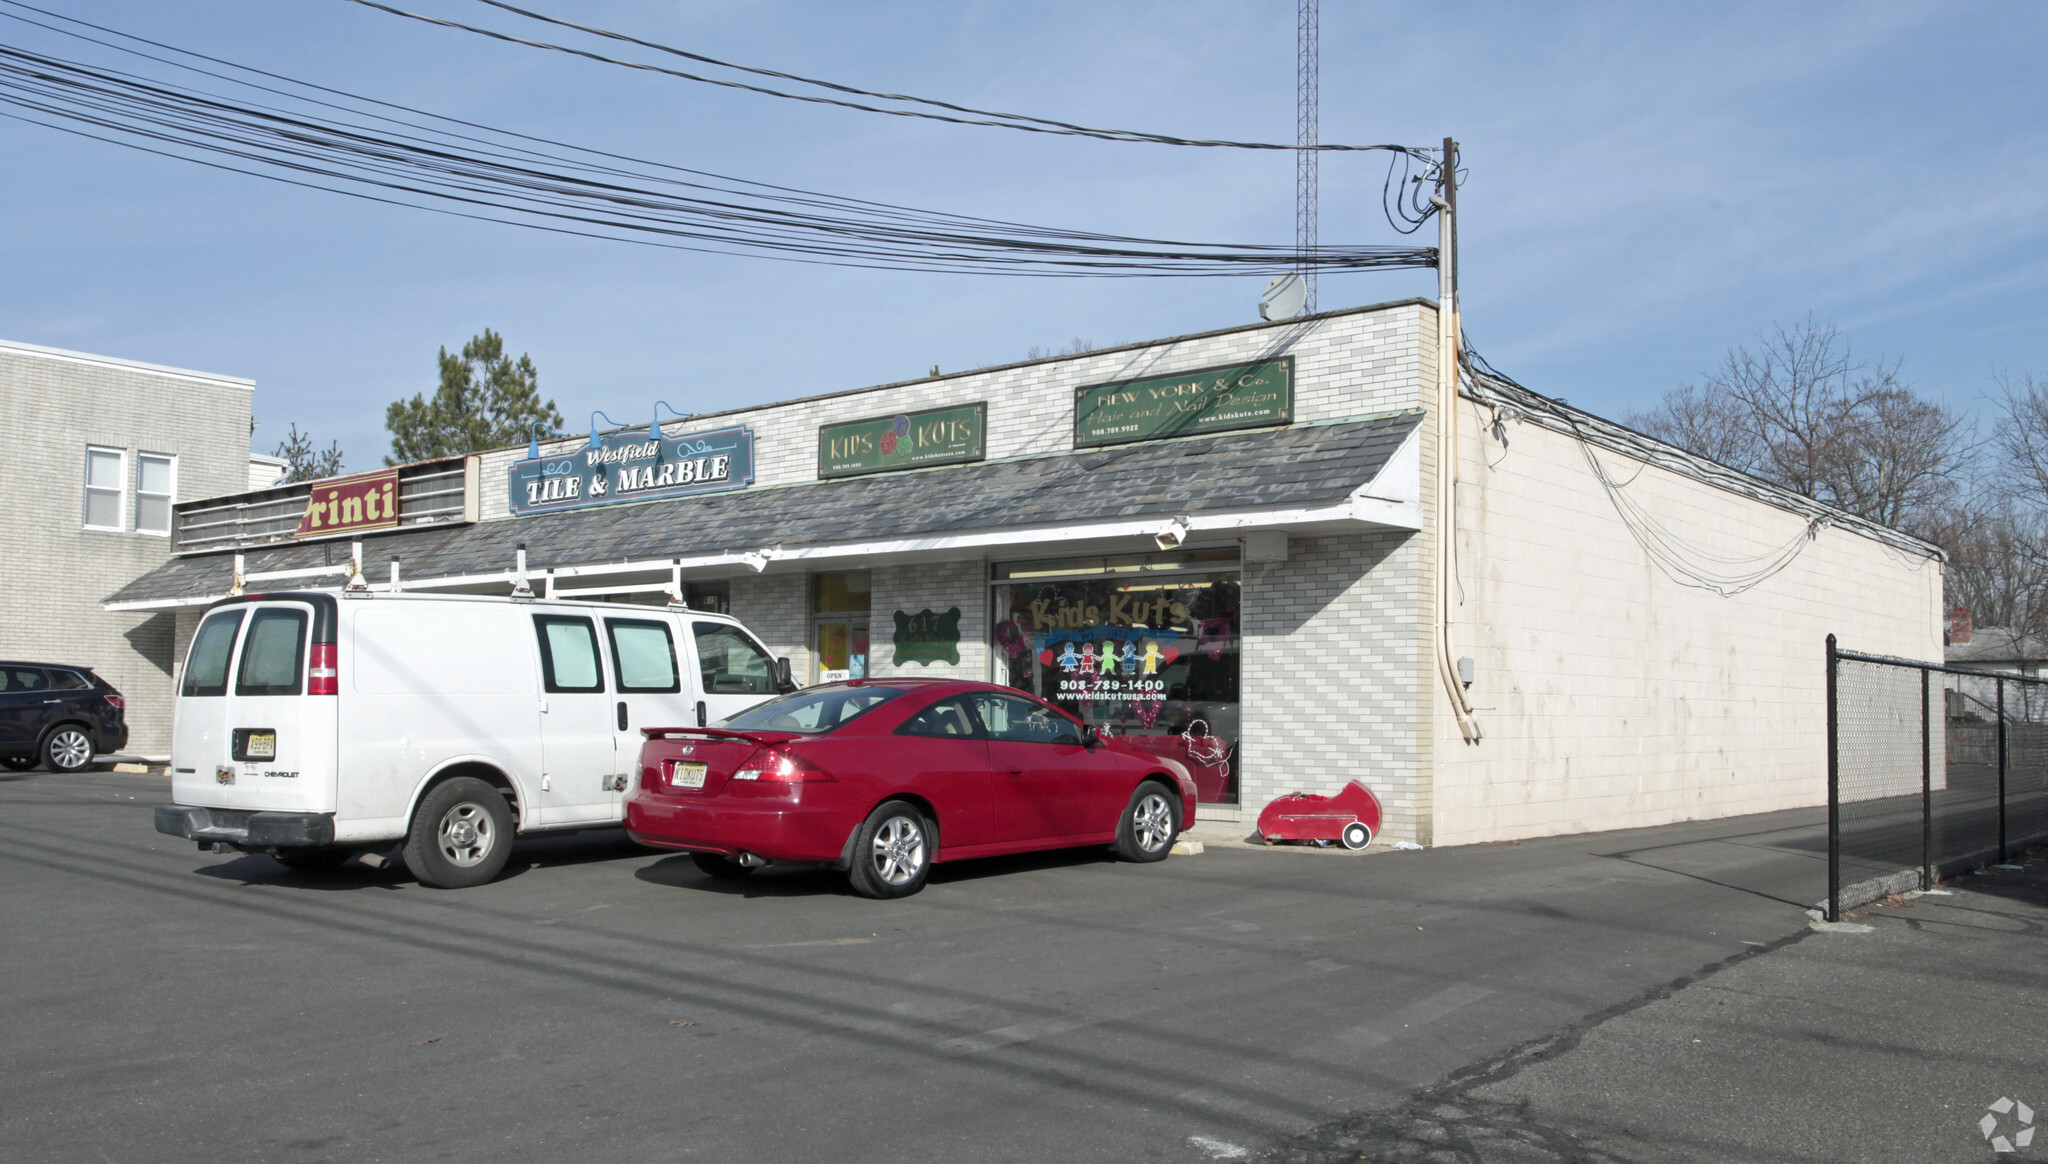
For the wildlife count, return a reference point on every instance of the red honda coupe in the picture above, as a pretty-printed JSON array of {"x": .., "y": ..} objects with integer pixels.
[{"x": 883, "y": 778}]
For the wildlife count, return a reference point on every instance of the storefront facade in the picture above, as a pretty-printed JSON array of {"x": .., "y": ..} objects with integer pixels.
[{"x": 1223, "y": 547}]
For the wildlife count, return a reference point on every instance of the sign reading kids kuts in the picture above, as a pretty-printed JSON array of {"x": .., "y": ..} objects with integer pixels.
[
  {"x": 1206, "y": 400},
  {"x": 350, "y": 504},
  {"x": 907, "y": 440},
  {"x": 633, "y": 466}
]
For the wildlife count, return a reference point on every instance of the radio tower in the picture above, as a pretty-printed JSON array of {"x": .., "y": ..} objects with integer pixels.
[{"x": 1306, "y": 133}]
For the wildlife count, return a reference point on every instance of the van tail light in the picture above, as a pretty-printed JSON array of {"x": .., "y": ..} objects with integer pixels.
[
  {"x": 115, "y": 701},
  {"x": 772, "y": 766},
  {"x": 322, "y": 676}
]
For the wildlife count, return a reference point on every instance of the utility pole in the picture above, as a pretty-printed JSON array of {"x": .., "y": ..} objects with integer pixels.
[
  {"x": 1447, "y": 351},
  {"x": 1307, "y": 134}
]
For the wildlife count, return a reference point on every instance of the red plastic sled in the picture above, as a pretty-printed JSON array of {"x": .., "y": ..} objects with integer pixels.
[{"x": 1351, "y": 817}]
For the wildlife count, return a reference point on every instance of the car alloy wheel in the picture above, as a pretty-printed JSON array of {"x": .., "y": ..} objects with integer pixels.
[
  {"x": 1152, "y": 822},
  {"x": 467, "y": 835},
  {"x": 68, "y": 750},
  {"x": 898, "y": 851}
]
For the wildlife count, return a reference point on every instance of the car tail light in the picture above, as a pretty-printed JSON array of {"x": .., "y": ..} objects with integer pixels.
[
  {"x": 322, "y": 675},
  {"x": 782, "y": 768},
  {"x": 114, "y": 699}
]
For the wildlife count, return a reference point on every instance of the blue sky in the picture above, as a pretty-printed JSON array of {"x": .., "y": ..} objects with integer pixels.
[{"x": 1646, "y": 185}]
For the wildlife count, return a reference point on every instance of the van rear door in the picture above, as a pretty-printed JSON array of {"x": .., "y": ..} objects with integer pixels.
[{"x": 250, "y": 731}]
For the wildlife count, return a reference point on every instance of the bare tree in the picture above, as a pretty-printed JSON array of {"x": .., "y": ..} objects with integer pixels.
[
  {"x": 1997, "y": 564},
  {"x": 1800, "y": 410}
]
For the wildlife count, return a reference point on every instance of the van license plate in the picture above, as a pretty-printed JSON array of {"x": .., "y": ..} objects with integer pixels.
[
  {"x": 688, "y": 775},
  {"x": 261, "y": 746}
]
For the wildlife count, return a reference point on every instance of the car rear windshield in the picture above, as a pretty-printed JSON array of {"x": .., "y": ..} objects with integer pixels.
[{"x": 813, "y": 712}]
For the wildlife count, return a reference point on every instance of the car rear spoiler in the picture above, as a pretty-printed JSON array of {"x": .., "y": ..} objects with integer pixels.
[{"x": 763, "y": 739}]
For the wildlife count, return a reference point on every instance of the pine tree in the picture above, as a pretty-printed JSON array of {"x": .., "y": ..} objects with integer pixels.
[
  {"x": 485, "y": 400},
  {"x": 306, "y": 463}
]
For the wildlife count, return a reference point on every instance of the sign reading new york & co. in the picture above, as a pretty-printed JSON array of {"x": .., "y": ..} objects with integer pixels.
[
  {"x": 907, "y": 440},
  {"x": 633, "y": 466},
  {"x": 1206, "y": 400}
]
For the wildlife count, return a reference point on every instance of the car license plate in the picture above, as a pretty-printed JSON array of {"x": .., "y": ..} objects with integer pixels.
[{"x": 688, "y": 775}]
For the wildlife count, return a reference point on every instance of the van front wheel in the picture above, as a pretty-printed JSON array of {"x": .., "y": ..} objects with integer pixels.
[{"x": 461, "y": 834}]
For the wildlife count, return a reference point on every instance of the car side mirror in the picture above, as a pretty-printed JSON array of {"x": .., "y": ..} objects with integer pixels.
[
  {"x": 783, "y": 682},
  {"x": 1090, "y": 735}
]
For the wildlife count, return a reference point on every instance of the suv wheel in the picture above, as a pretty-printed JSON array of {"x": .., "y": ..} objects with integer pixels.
[{"x": 68, "y": 749}]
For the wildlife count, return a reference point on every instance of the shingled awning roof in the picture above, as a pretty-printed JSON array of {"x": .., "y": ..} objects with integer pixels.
[{"x": 1351, "y": 474}]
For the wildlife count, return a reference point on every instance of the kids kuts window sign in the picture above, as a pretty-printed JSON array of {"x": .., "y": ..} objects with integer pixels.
[
  {"x": 1259, "y": 394},
  {"x": 634, "y": 466}
]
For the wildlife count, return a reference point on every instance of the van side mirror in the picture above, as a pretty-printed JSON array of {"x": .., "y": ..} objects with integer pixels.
[{"x": 783, "y": 682}]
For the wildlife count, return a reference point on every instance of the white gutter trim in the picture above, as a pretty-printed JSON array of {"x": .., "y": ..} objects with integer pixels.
[{"x": 1360, "y": 509}]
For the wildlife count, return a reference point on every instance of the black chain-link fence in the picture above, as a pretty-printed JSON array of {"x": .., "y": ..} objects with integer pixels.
[{"x": 1931, "y": 770}]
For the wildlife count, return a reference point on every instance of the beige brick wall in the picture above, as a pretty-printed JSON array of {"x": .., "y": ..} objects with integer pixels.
[
  {"x": 934, "y": 586},
  {"x": 1346, "y": 365},
  {"x": 1613, "y": 696},
  {"x": 52, "y": 405}
]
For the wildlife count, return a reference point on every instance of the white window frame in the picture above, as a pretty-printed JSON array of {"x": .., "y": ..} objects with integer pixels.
[
  {"x": 120, "y": 491},
  {"x": 170, "y": 498}
]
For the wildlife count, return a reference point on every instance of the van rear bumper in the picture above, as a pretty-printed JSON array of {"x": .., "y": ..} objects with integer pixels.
[{"x": 254, "y": 830}]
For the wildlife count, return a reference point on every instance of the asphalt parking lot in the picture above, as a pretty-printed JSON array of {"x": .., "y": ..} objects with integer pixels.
[{"x": 602, "y": 1002}]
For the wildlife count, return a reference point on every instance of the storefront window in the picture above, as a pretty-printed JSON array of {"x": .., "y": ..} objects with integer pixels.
[
  {"x": 1147, "y": 657},
  {"x": 839, "y": 625}
]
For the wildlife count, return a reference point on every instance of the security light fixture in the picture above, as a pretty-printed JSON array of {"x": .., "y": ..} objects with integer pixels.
[
  {"x": 597, "y": 443},
  {"x": 654, "y": 430},
  {"x": 1172, "y": 534}
]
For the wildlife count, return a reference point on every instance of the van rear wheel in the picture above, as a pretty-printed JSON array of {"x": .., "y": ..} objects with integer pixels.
[{"x": 461, "y": 835}]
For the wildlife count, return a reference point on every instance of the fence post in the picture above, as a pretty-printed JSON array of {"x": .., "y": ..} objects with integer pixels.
[
  {"x": 1927, "y": 782},
  {"x": 2001, "y": 771},
  {"x": 1835, "y": 796}
]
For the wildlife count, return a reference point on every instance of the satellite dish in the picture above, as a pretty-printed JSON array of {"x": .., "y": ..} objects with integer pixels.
[{"x": 1285, "y": 296}]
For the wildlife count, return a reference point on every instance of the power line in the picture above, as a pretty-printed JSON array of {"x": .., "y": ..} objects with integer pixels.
[
  {"x": 972, "y": 115},
  {"x": 398, "y": 155}
]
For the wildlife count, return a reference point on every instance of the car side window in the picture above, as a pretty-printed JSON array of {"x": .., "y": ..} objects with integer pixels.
[
  {"x": 274, "y": 653},
  {"x": 15, "y": 680},
  {"x": 732, "y": 663},
  {"x": 948, "y": 718},
  {"x": 1023, "y": 721},
  {"x": 568, "y": 654},
  {"x": 206, "y": 664},
  {"x": 68, "y": 681},
  {"x": 643, "y": 656}
]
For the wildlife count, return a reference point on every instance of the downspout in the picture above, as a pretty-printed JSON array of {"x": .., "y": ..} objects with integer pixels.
[{"x": 1447, "y": 437}]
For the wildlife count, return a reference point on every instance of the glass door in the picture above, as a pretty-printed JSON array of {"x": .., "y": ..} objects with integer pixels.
[{"x": 839, "y": 626}]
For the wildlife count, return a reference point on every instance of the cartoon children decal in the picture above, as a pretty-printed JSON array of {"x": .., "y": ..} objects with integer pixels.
[
  {"x": 1088, "y": 659},
  {"x": 1130, "y": 658},
  {"x": 1151, "y": 657},
  {"x": 1067, "y": 659}
]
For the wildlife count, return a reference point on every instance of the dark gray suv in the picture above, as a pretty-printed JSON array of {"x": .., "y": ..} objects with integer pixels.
[{"x": 57, "y": 715}]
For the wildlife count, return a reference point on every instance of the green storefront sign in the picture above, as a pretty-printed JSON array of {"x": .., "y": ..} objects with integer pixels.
[
  {"x": 927, "y": 638},
  {"x": 907, "y": 440},
  {"x": 1206, "y": 400}
]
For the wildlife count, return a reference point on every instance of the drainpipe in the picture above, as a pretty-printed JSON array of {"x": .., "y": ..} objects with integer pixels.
[{"x": 1447, "y": 436}]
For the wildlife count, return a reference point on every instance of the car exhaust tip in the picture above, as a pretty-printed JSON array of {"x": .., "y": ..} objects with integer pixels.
[{"x": 751, "y": 861}]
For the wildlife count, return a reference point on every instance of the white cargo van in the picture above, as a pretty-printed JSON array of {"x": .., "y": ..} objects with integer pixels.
[{"x": 310, "y": 726}]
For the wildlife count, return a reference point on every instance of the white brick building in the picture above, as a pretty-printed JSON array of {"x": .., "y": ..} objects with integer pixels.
[
  {"x": 98, "y": 450},
  {"x": 1608, "y": 688}
]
